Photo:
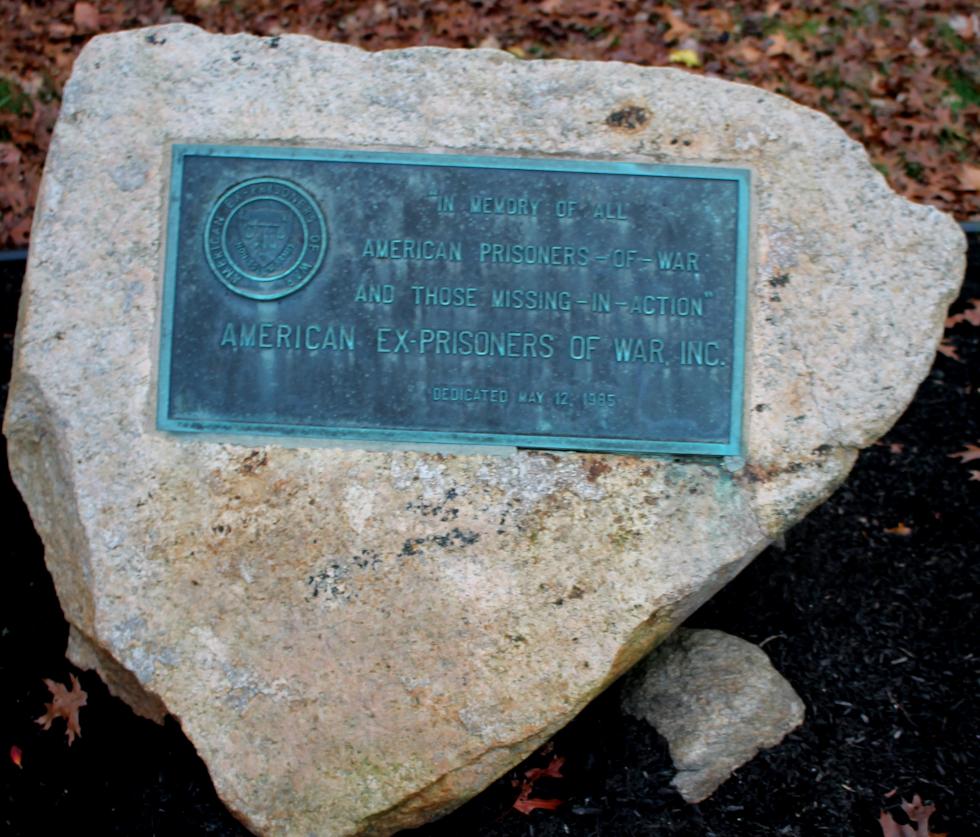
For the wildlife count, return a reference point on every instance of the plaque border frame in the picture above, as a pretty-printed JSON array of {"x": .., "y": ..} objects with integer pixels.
[{"x": 406, "y": 438}]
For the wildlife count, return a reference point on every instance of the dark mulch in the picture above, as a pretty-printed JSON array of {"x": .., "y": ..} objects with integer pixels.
[{"x": 877, "y": 632}]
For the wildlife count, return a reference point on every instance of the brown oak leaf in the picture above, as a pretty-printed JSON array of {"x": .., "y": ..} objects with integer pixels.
[
  {"x": 948, "y": 347},
  {"x": 968, "y": 454},
  {"x": 65, "y": 705},
  {"x": 86, "y": 18},
  {"x": 970, "y": 177},
  {"x": 677, "y": 28},
  {"x": 971, "y": 315}
]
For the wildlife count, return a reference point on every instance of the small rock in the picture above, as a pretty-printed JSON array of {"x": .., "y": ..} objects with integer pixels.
[{"x": 717, "y": 700}]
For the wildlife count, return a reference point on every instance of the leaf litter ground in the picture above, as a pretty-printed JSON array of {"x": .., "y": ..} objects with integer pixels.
[{"x": 869, "y": 609}]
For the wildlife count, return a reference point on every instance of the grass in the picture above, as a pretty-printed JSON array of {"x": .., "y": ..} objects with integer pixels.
[
  {"x": 965, "y": 90},
  {"x": 13, "y": 99}
]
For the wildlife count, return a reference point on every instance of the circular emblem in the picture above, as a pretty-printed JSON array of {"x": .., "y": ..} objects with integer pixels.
[{"x": 265, "y": 238}]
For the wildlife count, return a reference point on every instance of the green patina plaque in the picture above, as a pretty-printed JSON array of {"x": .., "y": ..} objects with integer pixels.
[{"x": 431, "y": 298}]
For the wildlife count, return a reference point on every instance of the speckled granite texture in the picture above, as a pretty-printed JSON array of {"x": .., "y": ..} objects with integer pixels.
[{"x": 717, "y": 700}]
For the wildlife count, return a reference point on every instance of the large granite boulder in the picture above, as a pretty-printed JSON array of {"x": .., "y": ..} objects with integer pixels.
[{"x": 357, "y": 641}]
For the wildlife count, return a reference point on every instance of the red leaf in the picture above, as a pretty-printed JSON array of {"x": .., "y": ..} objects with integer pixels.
[
  {"x": 525, "y": 804},
  {"x": 65, "y": 705},
  {"x": 15, "y": 755},
  {"x": 553, "y": 769}
]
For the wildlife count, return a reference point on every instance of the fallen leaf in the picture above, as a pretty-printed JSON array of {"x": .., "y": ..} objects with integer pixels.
[
  {"x": 15, "y": 755},
  {"x": 676, "y": 27},
  {"x": 901, "y": 529},
  {"x": 890, "y": 828},
  {"x": 970, "y": 177},
  {"x": 779, "y": 44},
  {"x": 948, "y": 347},
  {"x": 58, "y": 31},
  {"x": 553, "y": 769},
  {"x": 86, "y": 18},
  {"x": 968, "y": 454},
  {"x": 9, "y": 154},
  {"x": 721, "y": 19},
  {"x": 748, "y": 52},
  {"x": 687, "y": 57},
  {"x": 966, "y": 27},
  {"x": 971, "y": 315},
  {"x": 974, "y": 476},
  {"x": 525, "y": 803},
  {"x": 917, "y": 48},
  {"x": 65, "y": 705},
  {"x": 918, "y": 813}
]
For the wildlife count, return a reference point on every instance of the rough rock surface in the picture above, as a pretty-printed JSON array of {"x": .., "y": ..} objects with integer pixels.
[
  {"x": 357, "y": 641},
  {"x": 717, "y": 700}
]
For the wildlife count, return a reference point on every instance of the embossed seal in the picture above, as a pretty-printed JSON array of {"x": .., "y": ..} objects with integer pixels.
[{"x": 265, "y": 238}]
